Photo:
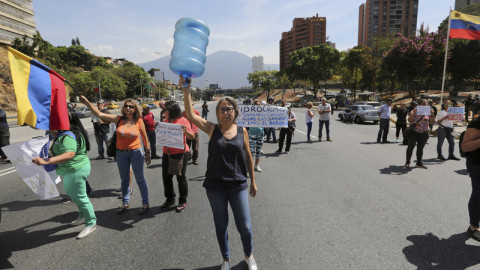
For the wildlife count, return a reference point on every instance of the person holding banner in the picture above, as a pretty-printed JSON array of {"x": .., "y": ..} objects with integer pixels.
[
  {"x": 419, "y": 119},
  {"x": 229, "y": 158},
  {"x": 130, "y": 128},
  {"x": 174, "y": 160},
  {"x": 445, "y": 129},
  {"x": 70, "y": 155},
  {"x": 287, "y": 132}
]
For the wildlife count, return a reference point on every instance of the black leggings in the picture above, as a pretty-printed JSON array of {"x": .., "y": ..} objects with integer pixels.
[
  {"x": 401, "y": 127},
  {"x": 419, "y": 139},
  {"x": 284, "y": 132},
  {"x": 474, "y": 202},
  {"x": 182, "y": 180}
]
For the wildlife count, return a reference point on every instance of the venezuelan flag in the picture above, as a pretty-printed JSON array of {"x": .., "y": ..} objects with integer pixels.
[
  {"x": 40, "y": 93},
  {"x": 464, "y": 26}
]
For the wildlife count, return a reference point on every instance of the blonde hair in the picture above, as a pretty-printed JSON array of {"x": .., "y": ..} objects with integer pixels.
[
  {"x": 136, "y": 110},
  {"x": 309, "y": 104},
  {"x": 233, "y": 102}
]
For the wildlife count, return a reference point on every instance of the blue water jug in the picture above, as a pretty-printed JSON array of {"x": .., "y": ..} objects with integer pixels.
[{"x": 189, "y": 48}]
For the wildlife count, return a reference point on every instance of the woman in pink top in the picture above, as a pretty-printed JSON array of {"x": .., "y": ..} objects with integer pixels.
[{"x": 419, "y": 136}]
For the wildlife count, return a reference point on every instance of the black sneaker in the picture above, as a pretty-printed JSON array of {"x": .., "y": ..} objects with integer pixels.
[
  {"x": 386, "y": 141},
  {"x": 278, "y": 152},
  {"x": 474, "y": 234},
  {"x": 420, "y": 165},
  {"x": 442, "y": 158},
  {"x": 453, "y": 158},
  {"x": 168, "y": 203},
  {"x": 66, "y": 200},
  {"x": 378, "y": 141},
  {"x": 100, "y": 157},
  {"x": 181, "y": 207}
]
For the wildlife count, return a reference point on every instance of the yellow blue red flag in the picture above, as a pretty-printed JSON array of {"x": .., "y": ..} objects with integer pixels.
[{"x": 464, "y": 26}]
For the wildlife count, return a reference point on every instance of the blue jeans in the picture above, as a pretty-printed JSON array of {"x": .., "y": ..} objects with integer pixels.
[
  {"x": 124, "y": 160},
  {"x": 442, "y": 134},
  {"x": 101, "y": 138},
  {"x": 309, "y": 130},
  {"x": 152, "y": 139},
  {"x": 320, "y": 128},
  {"x": 272, "y": 132},
  {"x": 239, "y": 203}
]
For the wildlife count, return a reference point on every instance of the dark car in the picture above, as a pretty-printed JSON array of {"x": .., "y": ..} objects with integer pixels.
[
  {"x": 83, "y": 112},
  {"x": 152, "y": 106}
]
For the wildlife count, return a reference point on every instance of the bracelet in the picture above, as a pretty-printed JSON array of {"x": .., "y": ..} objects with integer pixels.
[{"x": 147, "y": 152}]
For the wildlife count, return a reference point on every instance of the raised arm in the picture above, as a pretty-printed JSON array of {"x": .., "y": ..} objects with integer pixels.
[
  {"x": 201, "y": 123},
  {"x": 104, "y": 116}
]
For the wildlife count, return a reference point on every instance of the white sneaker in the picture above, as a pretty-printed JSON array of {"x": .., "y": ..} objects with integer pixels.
[
  {"x": 78, "y": 221},
  {"x": 252, "y": 265},
  {"x": 257, "y": 168},
  {"x": 87, "y": 231},
  {"x": 225, "y": 266}
]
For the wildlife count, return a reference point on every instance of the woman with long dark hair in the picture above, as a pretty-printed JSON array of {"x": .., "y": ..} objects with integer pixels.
[
  {"x": 69, "y": 150},
  {"x": 130, "y": 128},
  {"x": 176, "y": 159},
  {"x": 229, "y": 158}
]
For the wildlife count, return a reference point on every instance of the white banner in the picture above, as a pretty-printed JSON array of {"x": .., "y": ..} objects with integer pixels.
[
  {"x": 456, "y": 114},
  {"x": 170, "y": 135},
  {"x": 36, "y": 177},
  {"x": 262, "y": 116},
  {"x": 423, "y": 110}
]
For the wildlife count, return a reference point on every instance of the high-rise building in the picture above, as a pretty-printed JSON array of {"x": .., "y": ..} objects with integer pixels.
[
  {"x": 463, "y": 3},
  {"x": 257, "y": 63},
  {"x": 305, "y": 32},
  {"x": 385, "y": 17},
  {"x": 16, "y": 20}
]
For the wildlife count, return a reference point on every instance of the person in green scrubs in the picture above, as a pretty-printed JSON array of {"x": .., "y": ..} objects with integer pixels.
[{"x": 70, "y": 156}]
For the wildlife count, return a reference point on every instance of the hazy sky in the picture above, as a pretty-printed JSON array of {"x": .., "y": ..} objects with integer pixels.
[{"x": 142, "y": 30}]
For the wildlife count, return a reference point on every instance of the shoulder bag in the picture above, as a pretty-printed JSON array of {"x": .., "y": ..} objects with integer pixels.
[
  {"x": 112, "y": 143},
  {"x": 411, "y": 128}
]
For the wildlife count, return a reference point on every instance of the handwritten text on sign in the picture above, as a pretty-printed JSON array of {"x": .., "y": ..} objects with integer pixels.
[
  {"x": 262, "y": 116},
  {"x": 456, "y": 113},
  {"x": 37, "y": 179},
  {"x": 170, "y": 135},
  {"x": 423, "y": 110}
]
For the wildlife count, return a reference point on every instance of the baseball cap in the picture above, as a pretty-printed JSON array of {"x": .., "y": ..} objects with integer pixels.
[{"x": 145, "y": 106}]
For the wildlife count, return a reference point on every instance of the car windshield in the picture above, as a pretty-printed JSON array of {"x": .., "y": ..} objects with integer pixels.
[
  {"x": 368, "y": 108},
  {"x": 375, "y": 104}
]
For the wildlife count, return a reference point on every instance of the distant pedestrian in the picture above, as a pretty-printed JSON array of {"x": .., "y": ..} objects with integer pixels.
[
  {"x": 324, "y": 110},
  {"x": 419, "y": 136},
  {"x": 205, "y": 110},
  {"x": 384, "y": 112},
  {"x": 255, "y": 137},
  {"x": 271, "y": 131},
  {"x": 468, "y": 102},
  {"x": 4, "y": 134},
  {"x": 130, "y": 129},
  {"x": 101, "y": 130},
  {"x": 72, "y": 164},
  {"x": 401, "y": 124},
  {"x": 229, "y": 158},
  {"x": 471, "y": 146},
  {"x": 309, "y": 120},
  {"x": 287, "y": 132},
  {"x": 445, "y": 129},
  {"x": 435, "y": 111},
  {"x": 195, "y": 142},
  {"x": 149, "y": 122},
  {"x": 174, "y": 160}
]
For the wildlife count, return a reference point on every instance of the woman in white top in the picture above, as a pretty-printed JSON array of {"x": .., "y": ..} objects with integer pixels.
[
  {"x": 445, "y": 128},
  {"x": 309, "y": 119}
]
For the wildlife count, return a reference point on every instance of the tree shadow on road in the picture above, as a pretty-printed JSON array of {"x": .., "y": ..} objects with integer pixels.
[
  {"x": 396, "y": 170},
  {"x": 430, "y": 252},
  {"x": 23, "y": 205},
  {"x": 101, "y": 193},
  {"x": 240, "y": 266}
]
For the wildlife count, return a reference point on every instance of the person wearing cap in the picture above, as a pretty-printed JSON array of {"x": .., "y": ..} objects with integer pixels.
[
  {"x": 149, "y": 121},
  {"x": 101, "y": 130},
  {"x": 384, "y": 112}
]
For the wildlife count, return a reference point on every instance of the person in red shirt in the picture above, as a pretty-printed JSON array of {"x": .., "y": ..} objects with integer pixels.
[
  {"x": 149, "y": 121},
  {"x": 193, "y": 144},
  {"x": 177, "y": 157}
]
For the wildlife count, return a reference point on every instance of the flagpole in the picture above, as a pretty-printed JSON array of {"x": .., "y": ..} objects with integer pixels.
[
  {"x": 75, "y": 90},
  {"x": 445, "y": 61}
]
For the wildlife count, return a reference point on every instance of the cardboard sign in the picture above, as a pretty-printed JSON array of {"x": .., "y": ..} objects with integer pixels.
[
  {"x": 36, "y": 177},
  {"x": 423, "y": 110},
  {"x": 456, "y": 114},
  {"x": 170, "y": 135},
  {"x": 262, "y": 116}
]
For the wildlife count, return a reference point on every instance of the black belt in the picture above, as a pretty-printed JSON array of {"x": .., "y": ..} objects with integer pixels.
[{"x": 126, "y": 150}]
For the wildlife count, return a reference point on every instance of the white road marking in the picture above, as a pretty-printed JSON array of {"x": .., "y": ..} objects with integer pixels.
[{"x": 8, "y": 171}]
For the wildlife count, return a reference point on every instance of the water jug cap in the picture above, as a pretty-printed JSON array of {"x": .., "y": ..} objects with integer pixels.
[{"x": 194, "y": 23}]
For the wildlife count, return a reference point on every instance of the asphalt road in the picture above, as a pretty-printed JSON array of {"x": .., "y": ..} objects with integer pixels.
[{"x": 346, "y": 204}]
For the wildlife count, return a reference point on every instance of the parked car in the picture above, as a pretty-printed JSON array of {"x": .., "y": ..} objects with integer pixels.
[
  {"x": 152, "y": 106},
  {"x": 375, "y": 104},
  {"x": 83, "y": 112},
  {"x": 112, "y": 105},
  {"x": 362, "y": 113}
]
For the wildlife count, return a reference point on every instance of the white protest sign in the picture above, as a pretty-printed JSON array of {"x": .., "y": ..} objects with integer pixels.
[
  {"x": 423, "y": 110},
  {"x": 170, "y": 135},
  {"x": 262, "y": 116},
  {"x": 36, "y": 177},
  {"x": 456, "y": 113}
]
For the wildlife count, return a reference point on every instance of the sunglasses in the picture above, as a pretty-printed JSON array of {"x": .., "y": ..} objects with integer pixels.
[
  {"x": 228, "y": 110},
  {"x": 129, "y": 106}
]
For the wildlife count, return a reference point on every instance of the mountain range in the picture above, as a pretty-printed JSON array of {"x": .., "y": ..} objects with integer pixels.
[{"x": 228, "y": 69}]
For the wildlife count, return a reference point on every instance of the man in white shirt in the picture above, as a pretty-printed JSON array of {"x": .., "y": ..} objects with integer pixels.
[
  {"x": 384, "y": 112},
  {"x": 445, "y": 128},
  {"x": 324, "y": 110}
]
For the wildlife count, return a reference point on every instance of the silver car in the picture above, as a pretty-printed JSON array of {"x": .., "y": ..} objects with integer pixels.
[{"x": 362, "y": 113}]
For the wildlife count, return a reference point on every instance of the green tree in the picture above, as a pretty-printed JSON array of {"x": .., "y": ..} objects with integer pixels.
[
  {"x": 135, "y": 78},
  {"x": 315, "y": 64},
  {"x": 264, "y": 80}
]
